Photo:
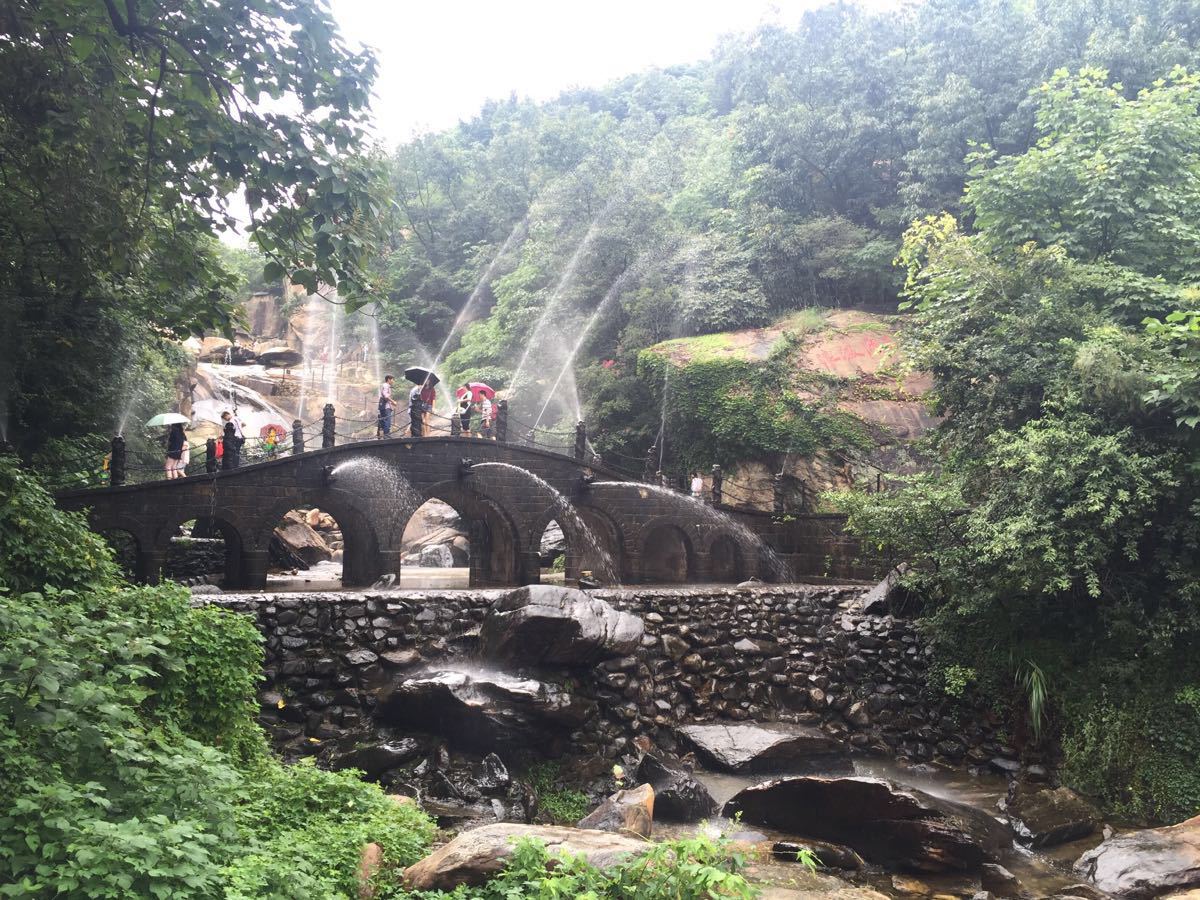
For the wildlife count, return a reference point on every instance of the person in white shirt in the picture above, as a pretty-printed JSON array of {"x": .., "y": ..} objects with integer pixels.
[
  {"x": 485, "y": 417},
  {"x": 697, "y": 485},
  {"x": 387, "y": 406}
]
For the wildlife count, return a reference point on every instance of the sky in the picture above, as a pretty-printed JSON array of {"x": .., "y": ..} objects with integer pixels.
[{"x": 440, "y": 60}]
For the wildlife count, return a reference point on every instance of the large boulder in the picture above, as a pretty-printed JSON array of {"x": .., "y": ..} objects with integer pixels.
[
  {"x": 625, "y": 812},
  {"x": 375, "y": 759},
  {"x": 769, "y": 747},
  {"x": 678, "y": 796},
  {"x": 898, "y": 827},
  {"x": 479, "y": 854},
  {"x": 1045, "y": 817},
  {"x": 485, "y": 710},
  {"x": 543, "y": 623},
  {"x": 300, "y": 539},
  {"x": 1148, "y": 863}
]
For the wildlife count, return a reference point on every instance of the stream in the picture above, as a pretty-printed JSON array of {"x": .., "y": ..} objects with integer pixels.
[{"x": 1041, "y": 872}]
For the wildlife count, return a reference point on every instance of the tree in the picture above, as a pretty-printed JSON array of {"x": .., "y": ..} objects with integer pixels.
[{"x": 124, "y": 130}]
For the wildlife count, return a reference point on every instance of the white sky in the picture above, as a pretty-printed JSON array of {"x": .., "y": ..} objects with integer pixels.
[{"x": 440, "y": 60}]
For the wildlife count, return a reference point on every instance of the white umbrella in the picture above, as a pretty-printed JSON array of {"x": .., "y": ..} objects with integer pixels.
[{"x": 168, "y": 419}]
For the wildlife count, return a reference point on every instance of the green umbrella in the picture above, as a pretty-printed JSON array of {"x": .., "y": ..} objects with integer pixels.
[{"x": 168, "y": 419}]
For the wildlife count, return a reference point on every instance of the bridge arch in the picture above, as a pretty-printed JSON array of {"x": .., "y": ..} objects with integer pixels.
[
  {"x": 497, "y": 550},
  {"x": 227, "y": 522},
  {"x": 667, "y": 553},
  {"x": 726, "y": 561}
]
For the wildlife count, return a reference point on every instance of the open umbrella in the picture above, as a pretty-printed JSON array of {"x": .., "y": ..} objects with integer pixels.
[
  {"x": 280, "y": 431},
  {"x": 478, "y": 389},
  {"x": 419, "y": 375},
  {"x": 168, "y": 419}
]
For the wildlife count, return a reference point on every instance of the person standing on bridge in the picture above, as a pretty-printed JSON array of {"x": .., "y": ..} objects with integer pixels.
[
  {"x": 176, "y": 441},
  {"x": 386, "y": 406},
  {"x": 416, "y": 409},
  {"x": 463, "y": 410},
  {"x": 485, "y": 416}
]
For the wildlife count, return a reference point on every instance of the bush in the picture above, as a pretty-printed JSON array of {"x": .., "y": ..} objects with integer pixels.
[
  {"x": 131, "y": 761},
  {"x": 692, "y": 869}
]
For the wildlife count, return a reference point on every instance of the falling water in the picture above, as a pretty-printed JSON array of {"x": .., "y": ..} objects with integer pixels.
[
  {"x": 312, "y": 309},
  {"x": 769, "y": 563},
  {"x": 372, "y": 315},
  {"x": 468, "y": 307},
  {"x": 564, "y": 281},
  {"x": 336, "y": 314},
  {"x": 371, "y": 477},
  {"x": 662, "y": 424},
  {"x": 566, "y": 510}
]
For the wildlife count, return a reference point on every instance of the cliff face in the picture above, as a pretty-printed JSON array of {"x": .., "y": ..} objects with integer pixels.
[{"x": 843, "y": 365}]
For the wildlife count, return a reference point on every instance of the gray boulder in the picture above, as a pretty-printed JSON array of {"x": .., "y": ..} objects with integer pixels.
[
  {"x": 485, "y": 710},
  {"x": 477, "y": 855},
  {"x": 678, "y": 796},
  {"x": 766, "y": 747},
  {"x": 546, "y": 624},
  {"x": 1148, "y": 863},
  {"x": 1045, "y": 817},
  {"x": 898, "y": 827},
  {"x": 625, "y": 812}
]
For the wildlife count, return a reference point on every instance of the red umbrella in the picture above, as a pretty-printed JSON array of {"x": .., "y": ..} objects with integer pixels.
[
  {"x": 478, "y": 389},
  {"x": 280, "y": 431}
]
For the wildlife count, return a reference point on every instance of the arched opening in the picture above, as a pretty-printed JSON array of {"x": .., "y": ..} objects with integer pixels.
[
  {"x": 436, "y": 547},
  {"x": 124, "y": 547},
  {"x": 725, "y": 560},
  {"x": 493, "y": 555},
  {"x": 603, "y": 552},
  {"x": 306, "y": 551},
  {"x": 556, "y": 559},
  {"x": 667, "y": 556},
  {"x": 204, "y": 549}
]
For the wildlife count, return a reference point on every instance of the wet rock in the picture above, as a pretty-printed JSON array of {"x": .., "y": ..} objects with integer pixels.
[
  {"x": 772, "y": 747},
  {"x": 996, "y": 879},
  {"x": 479, "y": 854},
  {"x": 1047, "y": 817},
  {"x": 400, "y": 659},
  {"x": 898, "y": 827},
  {"x": 553, "y": 625},
  {"x": 1147, "y": 863},
  {"x": 300, "y": 540},
  {"x": 831, "y": 856},
  {"x": 375, "y": 759},
  {"x": 370, "y": 861},
  {"x": 678, "y": 796},
  {"x": 362, "y": 657},
  {"x": 491, "y": 775},
  {"x": 625, "y": 812},
  {"x": 485, "y": 710},
  {"x": 437, "y": 556}
]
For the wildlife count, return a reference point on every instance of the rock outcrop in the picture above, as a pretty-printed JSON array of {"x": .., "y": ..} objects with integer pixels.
[
  {"x": 479, "y": 854},
  {"x": 547, "y": 625},
  {"x": 770, "y": 747},
  {"x": 901, "y": 828},
  {"x": 300, "y": 539},
  {"x": 1045, "y": 817},
  {"x": 1149, "y": 863},
  {"x": 625, "y": 812},
  {"x": 678, "y": 796},
  {"x": 485, "y": 710}
]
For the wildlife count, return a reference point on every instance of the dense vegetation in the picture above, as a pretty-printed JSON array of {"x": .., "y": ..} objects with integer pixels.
[
  {"x": 778, "y": 174},
  {"x": 1057, "y": 544},
  {"x": 129, "y": 752}
]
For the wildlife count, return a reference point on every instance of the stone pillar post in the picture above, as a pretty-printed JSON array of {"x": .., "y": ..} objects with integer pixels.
[
  {"x": 777, "y": 488},
  {"x": 328, "y": 427},
  {"x": 148, "y": 566},
  {"x": 718, "y": 484},
  {"x": 231, "y": 452},
  {"x": 116, "y": 464},
  {"x": 297, "y": 437},
  {"x": 650, "y": 466},
  {"x": 580, "y": 440},
  {"x": 455, "y": 425},
  {"x": 211, "y": 463},
  {"x": 501, "y": 427},
  {"x": 531, "y": 568}
]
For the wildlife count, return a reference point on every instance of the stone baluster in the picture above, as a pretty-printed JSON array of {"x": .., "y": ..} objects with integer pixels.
[
  {"x": 455, "y": 425},
  {"x": 328, "y": 427},
  {"x": 230, "y": 451},
  {"x": 718, "y": 484},
  {"x": 777, "y": 488},
  {"x": 116, "y": 462},
  {"x": 650, "y": 466},
  {"x": 297, "y": 437},
  {"x": 501, "y": 427},
  {"x": 580, "y": 440},
  {"x": 211, "y": 463}
]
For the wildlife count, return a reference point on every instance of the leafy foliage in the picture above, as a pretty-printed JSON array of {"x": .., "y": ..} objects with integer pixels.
[
  {"x": 689, "y": 869},
  {"x": 1056, "y": 545},
  {"x": 128, "y": 747},
  {"x": 564, "y": 803}
]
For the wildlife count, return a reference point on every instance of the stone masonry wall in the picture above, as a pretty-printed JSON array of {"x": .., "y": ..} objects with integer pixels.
[{"x": 795, "y": 653}]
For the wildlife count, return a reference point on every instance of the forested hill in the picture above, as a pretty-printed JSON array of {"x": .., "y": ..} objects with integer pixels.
[{"x": 777, "y": 174}]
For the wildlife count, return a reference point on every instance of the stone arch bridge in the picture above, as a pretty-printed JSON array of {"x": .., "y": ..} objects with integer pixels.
[{"x": 372, "y": 488}]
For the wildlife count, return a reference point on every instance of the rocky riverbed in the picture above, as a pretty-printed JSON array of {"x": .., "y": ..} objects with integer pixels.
[{"x": 506, "y": 708}]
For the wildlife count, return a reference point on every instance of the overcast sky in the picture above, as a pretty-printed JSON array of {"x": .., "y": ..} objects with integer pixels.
[{"x": 440, "y": 60}]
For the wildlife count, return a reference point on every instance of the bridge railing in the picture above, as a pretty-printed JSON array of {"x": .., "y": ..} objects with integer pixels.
[{"x": 230, "y": 452}]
